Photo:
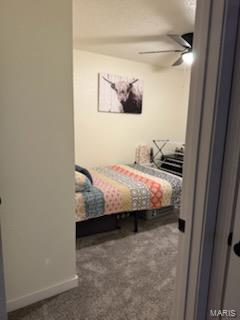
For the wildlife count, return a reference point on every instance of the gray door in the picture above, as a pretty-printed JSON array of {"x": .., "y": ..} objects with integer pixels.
[
  {"x": 231, "y": 298},
  {"x": 3, "y": 314},
  {"x": 232, "y": 293}
]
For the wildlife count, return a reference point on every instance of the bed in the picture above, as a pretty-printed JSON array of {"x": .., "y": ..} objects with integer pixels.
[{"x": 127, "y": 188}]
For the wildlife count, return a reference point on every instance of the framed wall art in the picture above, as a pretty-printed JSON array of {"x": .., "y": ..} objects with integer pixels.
[{"x": 120, "y": 94}]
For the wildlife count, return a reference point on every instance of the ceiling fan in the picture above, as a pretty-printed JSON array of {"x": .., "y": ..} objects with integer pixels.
[{"x": 184, "y": 41}]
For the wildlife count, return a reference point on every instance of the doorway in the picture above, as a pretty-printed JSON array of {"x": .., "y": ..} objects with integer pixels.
[{"x": 108, "y": 54}]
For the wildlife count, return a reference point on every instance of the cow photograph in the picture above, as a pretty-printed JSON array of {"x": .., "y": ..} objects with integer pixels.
[{"x": 120, "y": 94}]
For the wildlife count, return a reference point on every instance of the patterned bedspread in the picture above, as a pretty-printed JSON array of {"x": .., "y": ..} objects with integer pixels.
[{"x": 124, "y": 188}]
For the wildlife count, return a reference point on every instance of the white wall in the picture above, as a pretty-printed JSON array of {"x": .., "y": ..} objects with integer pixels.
[
  {"x": 105, "y": 138},
  {"x": 36, "y": 136}
]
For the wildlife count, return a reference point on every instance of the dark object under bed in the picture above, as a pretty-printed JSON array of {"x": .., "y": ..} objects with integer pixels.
[{"x": 104, "y": 224}]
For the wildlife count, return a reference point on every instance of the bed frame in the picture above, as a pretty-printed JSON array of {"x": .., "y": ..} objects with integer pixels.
[{"x": 111, "y": 222}]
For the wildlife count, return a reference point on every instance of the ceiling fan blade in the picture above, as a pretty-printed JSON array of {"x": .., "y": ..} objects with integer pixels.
[
  {"x": 178, "y": 62},
  {"x": 179, "y": 40},
  {"x": 159, "y": 51},
  {"x": 188, "y": 37}
]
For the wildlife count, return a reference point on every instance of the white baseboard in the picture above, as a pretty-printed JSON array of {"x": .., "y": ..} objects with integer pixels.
[{"x": 42, "y": 294}]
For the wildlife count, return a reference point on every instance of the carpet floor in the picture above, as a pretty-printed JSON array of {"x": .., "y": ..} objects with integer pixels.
[{"x": 122, "y": 276}]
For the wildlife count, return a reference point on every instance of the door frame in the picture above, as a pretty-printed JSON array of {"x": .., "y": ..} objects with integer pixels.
[
  {"x": 209, "y": 104},
  {"x": 229, "y": 198}
]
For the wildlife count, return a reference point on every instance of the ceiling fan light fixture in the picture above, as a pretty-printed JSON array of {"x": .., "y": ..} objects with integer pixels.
[{"x": 188, "y": 58}]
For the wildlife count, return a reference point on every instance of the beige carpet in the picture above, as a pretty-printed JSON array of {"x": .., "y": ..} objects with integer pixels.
[{"x": 122, "y": 276}]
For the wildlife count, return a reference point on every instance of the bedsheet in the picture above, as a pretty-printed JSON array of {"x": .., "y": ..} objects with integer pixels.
[{"x": 125, "y": 188}]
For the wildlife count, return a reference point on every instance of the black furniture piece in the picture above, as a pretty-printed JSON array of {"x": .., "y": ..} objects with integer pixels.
[
  {"x": 173, "y": 163},
  {"x": 170, "y": 161}
]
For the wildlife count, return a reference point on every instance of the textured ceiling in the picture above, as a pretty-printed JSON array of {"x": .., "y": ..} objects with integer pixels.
[{"x": 122, "y": 28}]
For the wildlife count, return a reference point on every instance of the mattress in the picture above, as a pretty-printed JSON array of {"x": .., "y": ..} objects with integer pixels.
[{"x": 126, "y": 188}]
